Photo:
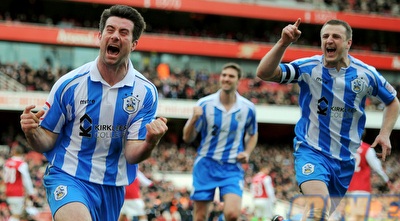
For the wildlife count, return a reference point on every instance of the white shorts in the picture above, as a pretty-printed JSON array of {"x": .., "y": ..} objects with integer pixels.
[
  {"x": 263, "y": 208},
  {"x": 16, "y": 204},
  {"x": 133, "y": 208}
]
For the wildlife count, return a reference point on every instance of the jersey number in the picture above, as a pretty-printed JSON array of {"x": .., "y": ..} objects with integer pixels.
[
  {"x": 10, "y": 175},
  {"x": 257, "y": 189}
]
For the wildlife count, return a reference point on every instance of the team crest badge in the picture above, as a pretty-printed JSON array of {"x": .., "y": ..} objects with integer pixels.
[
  {"x": 308, "y": 169},
  {"x": 60, "y": 192},
  {"x": 357, "y": 85},
  {"x": 131, "y": 104}
]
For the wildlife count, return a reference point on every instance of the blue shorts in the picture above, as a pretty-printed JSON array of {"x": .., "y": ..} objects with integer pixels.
[
  {"x": 209, "y": 174},
  {"x": 104, "y": 202},
  {"x": 311, "y": 164}
]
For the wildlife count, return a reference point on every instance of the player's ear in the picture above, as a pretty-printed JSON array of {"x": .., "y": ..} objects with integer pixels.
[
  {"x": 349, "y": 42},
  {"x": 134, "y": 44}
]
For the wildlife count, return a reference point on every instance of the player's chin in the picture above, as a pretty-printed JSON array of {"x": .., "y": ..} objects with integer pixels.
[{"x": 227, "y": 87}]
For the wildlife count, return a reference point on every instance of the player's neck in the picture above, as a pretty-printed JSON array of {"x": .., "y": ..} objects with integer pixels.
[
  {"x": 228, "y": 99},
  {"x": 112, "y": 74}
]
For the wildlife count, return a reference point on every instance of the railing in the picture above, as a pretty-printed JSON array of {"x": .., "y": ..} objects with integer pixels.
[{"x": 9, "y": 84}]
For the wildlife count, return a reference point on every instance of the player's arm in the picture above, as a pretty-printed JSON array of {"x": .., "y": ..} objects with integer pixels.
[
  {"x": 137, "y": 151},
  {"x": 143, "y": 180},
  {"x": 251, "y": 142},
  {"x": 376, "y": 164},
  {"x": 269, "y": 187},
  {"x": 189, "y": 130},
  {"x": 268, "y": 68},
  {"x": 40, "y": 139},
  {"x": 26, "y": 179},
  {"x": 390, "y": 115}
]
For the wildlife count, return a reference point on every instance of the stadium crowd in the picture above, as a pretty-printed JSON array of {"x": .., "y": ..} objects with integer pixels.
[
  {"x": 180, "y": 84},
  {"x": 387, "y": 7}
]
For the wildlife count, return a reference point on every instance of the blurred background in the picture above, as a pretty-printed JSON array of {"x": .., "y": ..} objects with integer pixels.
[{"x": 182, "y": 51}]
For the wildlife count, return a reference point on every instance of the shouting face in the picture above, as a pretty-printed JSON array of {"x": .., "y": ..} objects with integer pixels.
[
  {"x": 335, "y": 46},
  {"x": 116, "y": 41}
]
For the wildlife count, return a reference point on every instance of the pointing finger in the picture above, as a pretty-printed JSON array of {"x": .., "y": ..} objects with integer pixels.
[
  {"x": 297, "y": 23},
  {"x": 28, "y": 109}
]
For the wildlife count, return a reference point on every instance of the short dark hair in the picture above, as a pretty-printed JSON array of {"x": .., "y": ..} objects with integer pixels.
[
  {"x": 349, "y": 31},
  {"x": 234, "y": 66},
  {"x": 127, "y": 12}
]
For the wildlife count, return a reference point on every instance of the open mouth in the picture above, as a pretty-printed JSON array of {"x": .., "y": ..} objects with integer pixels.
[
  {"x": 113, "y": 50},
  {"x": 330, "y": 50}
]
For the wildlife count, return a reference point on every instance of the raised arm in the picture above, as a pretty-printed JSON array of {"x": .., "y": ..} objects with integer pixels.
[{"x": 268, "y": 68}]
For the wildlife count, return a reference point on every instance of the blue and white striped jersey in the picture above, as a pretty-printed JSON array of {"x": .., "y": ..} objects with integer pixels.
[
  {"x": 93, "y": 120},
  {"x": 333, "y": 103},
  {"x": 222, "y": 132}
]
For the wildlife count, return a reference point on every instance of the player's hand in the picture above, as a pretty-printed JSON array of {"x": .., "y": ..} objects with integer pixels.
[
  {"x": 384, "y": 188},
  {"x": 384, "y": 143},
  {"x": 243, "y": 157},
  {"x": 152, "y": 187},
  {"x": 291, "y": 33},
  {"x": 156, "y": 129},
  {"x": 197, "y": 112},
  {"x": 30, "y": 121}
]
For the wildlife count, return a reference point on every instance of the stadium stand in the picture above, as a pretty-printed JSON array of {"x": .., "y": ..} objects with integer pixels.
[{"x": 10, "y": 84}]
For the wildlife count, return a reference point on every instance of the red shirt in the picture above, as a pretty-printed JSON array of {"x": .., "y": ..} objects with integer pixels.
[
  {"x": 13, "y": 177},
  {"x": 133, "y": 190},
  {"x": 362, "y": 175},
  {"x": 258, "y": 188}
]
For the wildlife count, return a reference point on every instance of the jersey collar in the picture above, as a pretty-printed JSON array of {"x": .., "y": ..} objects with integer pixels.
[{"x": 127, "y": 81}]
